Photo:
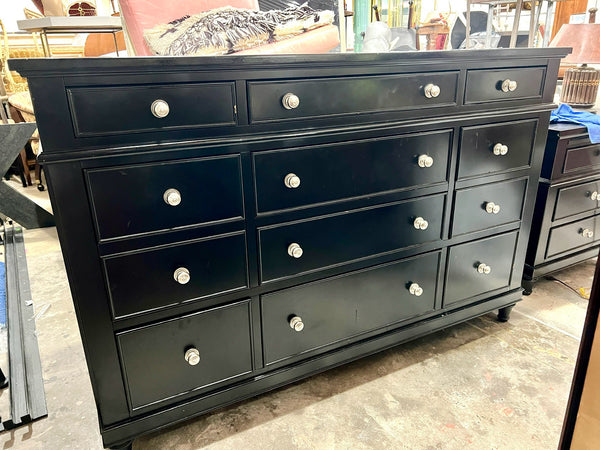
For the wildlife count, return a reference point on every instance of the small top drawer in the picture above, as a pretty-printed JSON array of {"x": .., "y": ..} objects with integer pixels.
[
  {"x": 300, "y": 99},
  {"x": 494, "y": 85},
  {"x": 111, "y": 110},
  {"x": 349, "y": 169},
  {"x": 582, "y": 159},
  {"x": 577, "y": 199},
  {"x": 498, "y": 147},
  {"x": 129, "y": 200}
]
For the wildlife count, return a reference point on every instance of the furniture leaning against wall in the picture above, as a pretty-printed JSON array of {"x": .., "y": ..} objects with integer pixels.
[
  {"x": 566, "y": 225},
  {"x": 233, "y": 224}
]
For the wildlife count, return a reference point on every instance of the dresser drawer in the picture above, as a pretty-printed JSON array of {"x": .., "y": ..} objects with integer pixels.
[
  {"x": 577, "y": 199},
  {"x": 111, "y": 110},
  {"x": 154, "y": 357},
  {"x": 489, "y": 85},
  {"x": 129, "y": 200},
  {"x": 350, "y": 169},
  {"x": 341, "y": 238},
  {"x": 582, "y": 159},
  {"x": 487, "y": 206},
  {"x": 343, "y": 307},
  {"x": 320, "y": 97},
  {"x": 468, "y": 263},
  {"x": 572, "y": 236},
  {"x": 156, "y": 278},
  {"x": 486, "y": 149}
]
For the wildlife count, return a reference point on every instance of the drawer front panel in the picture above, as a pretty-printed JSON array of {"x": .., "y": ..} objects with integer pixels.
[
  {"x": 146, "y": 280},
  {"x": 130, "y": 200},
  {"x": 350, "y": 169},
  {"x": 487, "y": 206},
  {"x": 347, "y": 237},
  {"x": 331, "y": 96},
  {"x": 128, "y": 109},
  {"x": 577, "y": 199},
  {"x": 582, "y": 159},
  {"x": 464, "y": 280},
  {"x": 486, "y": 85},
  {"x": 154, "y": 361},
  {"x": 572, "y": 236},
  {"x": 477, "y": 147},
  {"x": 339, "y": 308}
]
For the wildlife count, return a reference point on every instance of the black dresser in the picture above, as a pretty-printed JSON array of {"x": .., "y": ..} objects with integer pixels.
[
  {"x": 233, "y": 224},
  {"x": 566, "y": 221}
]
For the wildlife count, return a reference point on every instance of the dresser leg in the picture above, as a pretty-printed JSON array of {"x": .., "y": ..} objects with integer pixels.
[
  {"x": 128, "y": 445},
  {"x": 504, "y": 313},
  {"x": 527, "y": 286}
]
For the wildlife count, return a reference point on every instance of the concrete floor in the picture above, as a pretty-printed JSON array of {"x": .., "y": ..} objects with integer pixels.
[{"x": 481, "y": 384}]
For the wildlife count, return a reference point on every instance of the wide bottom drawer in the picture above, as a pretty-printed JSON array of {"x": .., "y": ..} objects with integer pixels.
[
  {"x": 312, "y": 316},
  {"x": 175, "y": 357},
  {"x": 573, "y": 236}
]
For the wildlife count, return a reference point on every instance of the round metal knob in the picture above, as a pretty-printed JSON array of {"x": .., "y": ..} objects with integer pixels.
[
  {"x": 415, "y": 289},
  {"x": 159, "y": 108},
  {"x": 181, "y": 275},
  {"x": 594, "y": 196},
  {"x": 492, "y": 208},
  {"x": 484, "y": 269},
  {"x": 290, "y": 101},
  {"x": 587, "y": 233},
  {"x": 425, "y": 161},
  {"x": 295, "y": 251},
  {"x": 509, "y": 85},
  {"x": 431, "y": 90},
  {"x": 296, "y": 323},
  {"x": 500, "y": 149},
  {"x": 192, "y": 356},
  {"x": 291, "y": 181},
  {"x": 172, "y": 197},
  {"x": 420, "y": 223}
]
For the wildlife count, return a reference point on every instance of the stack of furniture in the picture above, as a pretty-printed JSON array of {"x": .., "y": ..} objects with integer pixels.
[
  {"x": 233, "y": 224},
  {"x": 566, "y": 225}
]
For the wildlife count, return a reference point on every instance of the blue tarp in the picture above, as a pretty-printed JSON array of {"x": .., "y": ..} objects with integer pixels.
[{"x": 564, "y": 113}]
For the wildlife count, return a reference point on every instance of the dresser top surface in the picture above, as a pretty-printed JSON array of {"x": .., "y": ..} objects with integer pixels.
[{"x": 67, "y": 66}]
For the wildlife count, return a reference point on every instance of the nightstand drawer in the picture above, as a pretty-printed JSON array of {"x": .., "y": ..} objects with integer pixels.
[
  {"x": 129, "y": 200},
  {"x": 292, "y": 178},
  {"x": 153, "y": 279},
  {"x": 487, "y": 206},
  {"x": 110, "y": 110},
  {"x": 336, "y": 309},
  {"x": 573, "y": 235},
  {"x": 582, "y": 159},
  {"x": 577, "y": 199},
  {"x": 314, "y": 244},
  {"x": 486, "y": 149},
  {"x": 494, "y": 85},
  {"x": 478, "y": 267},
  {"x": 158, "y": 360},
  {"x": 318, "y": 97}
]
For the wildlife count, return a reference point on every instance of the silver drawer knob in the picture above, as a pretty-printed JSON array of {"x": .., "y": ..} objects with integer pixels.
[
  {"x": 296, "y": 323},
  {"x": 509, "y": 85},
  {"x": 172, "y": 197},
  {"x": 290, "y": 101},
  {"x": 291, "y": 181},
  {"x": 420, "y": 223},
  {"x": 192, "y": 356},
  {"x": 431, "y": 90},
  {"x": 587, "y": 233},
  {"x": 425, "y": 161},
  {"x": 159, "y": 108},
  {"x": 295, "y": 251},
  {"x": 181, "y": 275},
  {"x": 415, "y": 289},
  {"x": 484, "y": 269},
  {"x": 500, "y": 149},
  {"x": 492, "y": 208},
  {"x": 594, "y": 196}
]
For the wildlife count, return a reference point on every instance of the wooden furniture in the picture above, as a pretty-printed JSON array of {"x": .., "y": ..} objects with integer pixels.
[
  {"x": 233, "y": 224},
  {"x": 565, "y": 228}
]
